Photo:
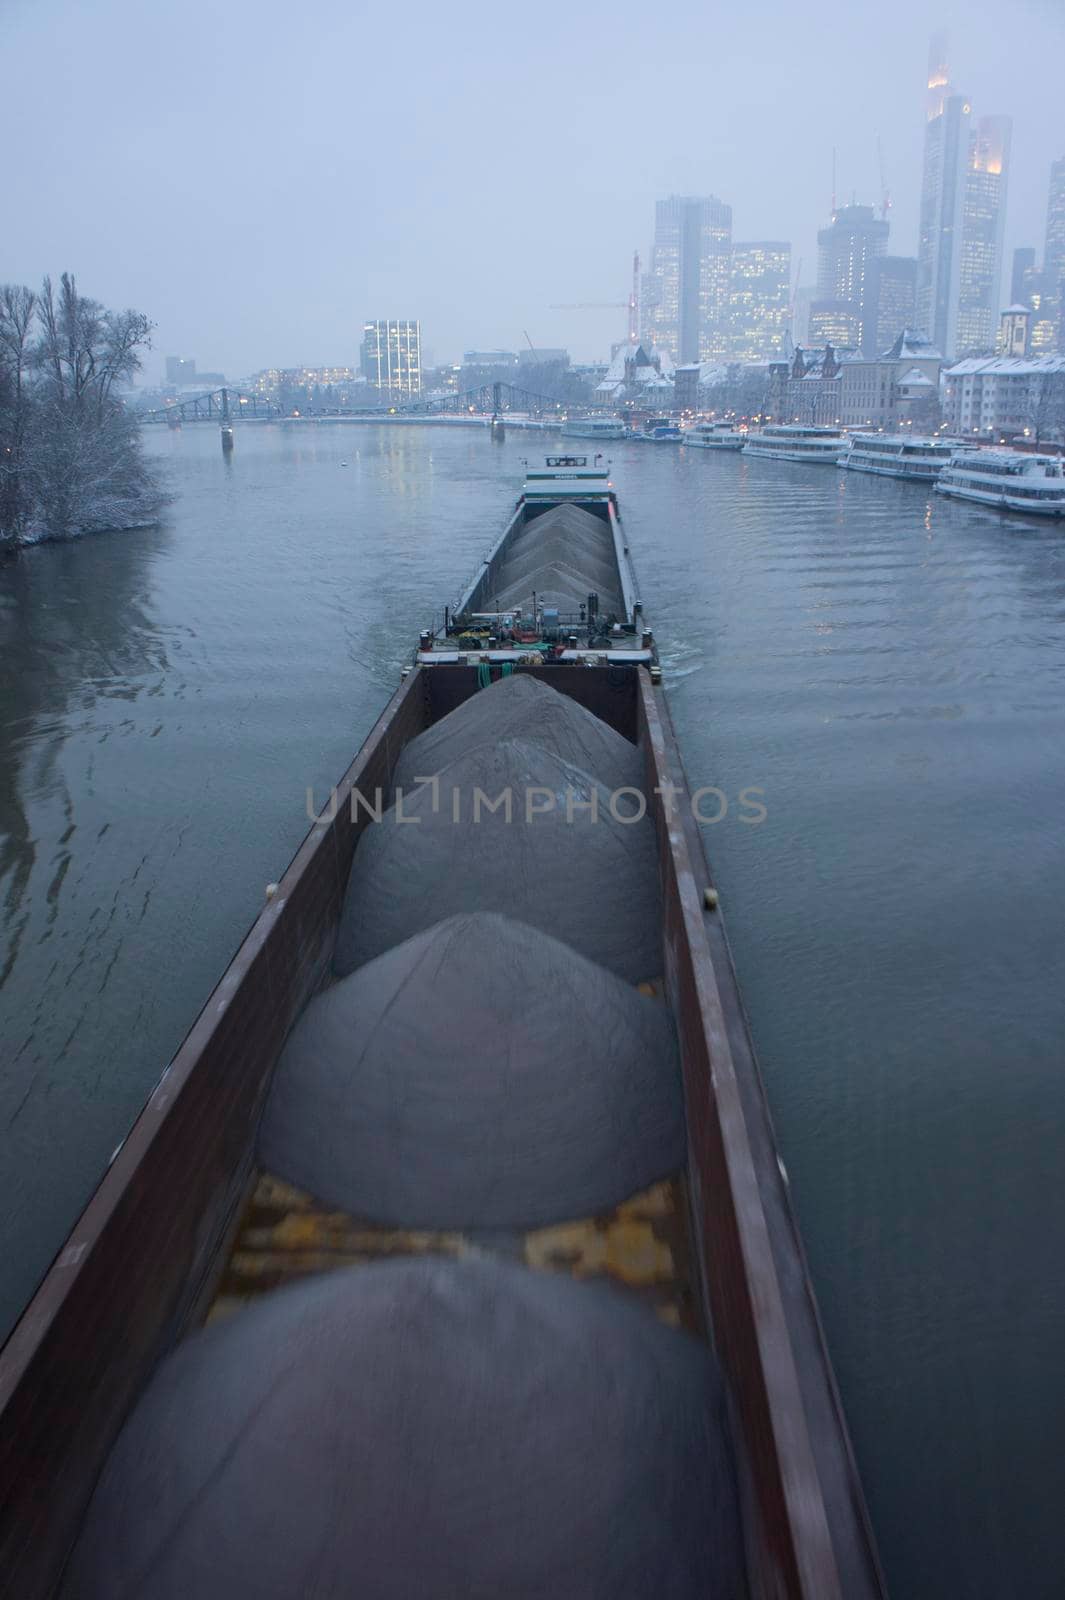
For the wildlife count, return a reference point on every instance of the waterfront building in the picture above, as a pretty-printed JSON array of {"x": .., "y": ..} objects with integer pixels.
[
  {"x": 181, "y": 373},
  {"x": 898, "y": 388},
  {"x": 544, "y": 356},
  {"x": 758, "y": 302},
  {"x": 1001, "y": 397},
  {"x": 392, "y": 356},
  {"x": 1014, "y": 331},
  {"x": 636, "y": 376},
  {"x": 1054, "y": 254},
  {"x": 891, "y": 301},
  {"x": 685, "y": 295},
  {"x": 846, "y": 250},
  {"x": 490, "y": 358}
]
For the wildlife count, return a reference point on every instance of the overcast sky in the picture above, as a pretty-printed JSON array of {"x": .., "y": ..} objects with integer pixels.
[{"x": 259, "y": 177}]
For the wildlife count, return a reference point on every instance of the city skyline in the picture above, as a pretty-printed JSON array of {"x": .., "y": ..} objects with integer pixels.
[{"x": 355, "y": 211}]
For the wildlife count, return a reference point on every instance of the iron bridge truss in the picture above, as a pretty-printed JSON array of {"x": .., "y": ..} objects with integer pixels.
[{"x": 487, "y": 400}]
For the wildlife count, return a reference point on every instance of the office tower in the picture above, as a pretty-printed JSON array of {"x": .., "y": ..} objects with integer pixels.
[
  {"x": 946, "y": 153},
  {"x": 1036, "y": 296},
  {"x": 835, "y": 322},
  {"x": 891, "y": 302},
  {"x": 1014, "y": 331},
  {"x": 392, "y": 356},
  {"x": 983, "y": 226},
  {"x": 1023, "y": 262},
  {"x": 963, "y": 213},
  {"x": 686, "y": 299},
  {"x": 845, "y": 252},
  {"x": 1054, "y": 252},
  {"x": 759, "y": 300}
]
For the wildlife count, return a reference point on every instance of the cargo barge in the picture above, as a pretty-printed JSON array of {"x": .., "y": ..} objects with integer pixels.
[{"x": 144, "y": 1456}]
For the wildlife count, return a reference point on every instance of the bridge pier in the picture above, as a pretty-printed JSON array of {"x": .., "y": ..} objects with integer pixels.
[{"x": 227, "y": 426}]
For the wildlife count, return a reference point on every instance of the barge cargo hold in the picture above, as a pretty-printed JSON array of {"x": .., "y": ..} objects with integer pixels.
[{"x": 193, "y": 1223}]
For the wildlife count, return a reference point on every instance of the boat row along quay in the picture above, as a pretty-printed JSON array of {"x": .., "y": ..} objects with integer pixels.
[{"x": 453, "y": 1250}]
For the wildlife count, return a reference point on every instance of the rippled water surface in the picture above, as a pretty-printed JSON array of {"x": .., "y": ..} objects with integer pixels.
[{"x": 888, "y": 667}]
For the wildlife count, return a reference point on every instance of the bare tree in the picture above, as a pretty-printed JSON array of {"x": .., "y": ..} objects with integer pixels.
[
  {"x": 1046, "y": 406},
  {"x": 84, "y": 349},
  {"x": 70, "y": 455},
  {"x": 17, "y": 306}
]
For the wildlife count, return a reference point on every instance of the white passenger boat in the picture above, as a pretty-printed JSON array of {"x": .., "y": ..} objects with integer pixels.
[
  {"x": 794, "y": 441},
  {"x": 594, "y": 428},
  {"x": 1008, "y": 480},
  {"x": 659, "y": 430},
  {"x": 897, "y": 455},
  {"x": 715, "y": 436}
]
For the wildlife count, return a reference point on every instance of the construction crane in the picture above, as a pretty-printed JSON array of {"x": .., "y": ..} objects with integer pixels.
[{"x": 631, "y": 305}]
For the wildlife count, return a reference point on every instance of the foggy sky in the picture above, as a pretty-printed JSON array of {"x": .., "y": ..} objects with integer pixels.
[{"x": 260, "y": 177}]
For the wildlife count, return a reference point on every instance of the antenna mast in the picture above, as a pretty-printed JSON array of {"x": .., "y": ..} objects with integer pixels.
[{"x": 885, "y": 193}]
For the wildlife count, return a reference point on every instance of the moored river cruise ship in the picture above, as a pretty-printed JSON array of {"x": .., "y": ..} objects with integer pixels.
[
  {"x": 715, "y": 436},
  {"x": 897, "y": 455},
  {"x": 594, "y": 428},
  {"x": 1008, "y": 480},
  {"x": 794, "y": 441}
]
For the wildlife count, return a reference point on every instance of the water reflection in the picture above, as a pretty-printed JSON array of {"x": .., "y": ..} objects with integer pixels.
[{"x": 889, "y": 667}]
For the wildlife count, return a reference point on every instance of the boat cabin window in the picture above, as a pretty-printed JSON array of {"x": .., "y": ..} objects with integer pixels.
[{"x": 567, "y": 461}]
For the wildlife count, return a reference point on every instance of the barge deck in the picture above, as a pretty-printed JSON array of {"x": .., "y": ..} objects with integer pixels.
[{"x": 190, "y": 1226}]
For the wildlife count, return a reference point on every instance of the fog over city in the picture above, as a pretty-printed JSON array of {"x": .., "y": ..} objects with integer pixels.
[{"x": 260, "y": 178}]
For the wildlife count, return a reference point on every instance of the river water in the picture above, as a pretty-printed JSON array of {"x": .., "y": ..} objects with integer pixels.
[{"x": 890, "y": 670}]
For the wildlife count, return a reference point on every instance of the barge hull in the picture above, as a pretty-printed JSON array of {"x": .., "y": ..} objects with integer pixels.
[{"x": 143, "y": 1261}]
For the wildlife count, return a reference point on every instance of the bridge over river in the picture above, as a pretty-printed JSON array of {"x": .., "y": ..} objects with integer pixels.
[{"x": 492, "y": 401}]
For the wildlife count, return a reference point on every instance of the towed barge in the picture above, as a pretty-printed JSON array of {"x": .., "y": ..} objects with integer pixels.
[{"x": 190, "y": 1225}]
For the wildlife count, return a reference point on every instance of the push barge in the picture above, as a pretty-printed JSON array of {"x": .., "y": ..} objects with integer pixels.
[{"x": 143, "y": 1455}]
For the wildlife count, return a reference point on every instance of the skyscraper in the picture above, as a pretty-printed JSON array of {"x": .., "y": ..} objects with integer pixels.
[
  {"x": 946, "y": 149},
  {"x": 1054, "y": 251},
  {"x": 983, "y": 226},
  {"x": 845, "y": 252},
  {"x": 1023, "y": 262},
  {"x": 687, "y": 298},
  {"x": 758, "y": 302},
  {"x": 963, "y": 213},
  {"x": 891, "y": 302},
  {"x": 392, "y": 356}
]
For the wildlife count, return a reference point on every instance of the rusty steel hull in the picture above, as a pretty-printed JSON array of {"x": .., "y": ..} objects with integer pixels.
[{"x": 144, "y": 1258}]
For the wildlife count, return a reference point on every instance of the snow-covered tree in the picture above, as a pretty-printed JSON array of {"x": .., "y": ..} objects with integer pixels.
[{"x": 70, "y": 456}]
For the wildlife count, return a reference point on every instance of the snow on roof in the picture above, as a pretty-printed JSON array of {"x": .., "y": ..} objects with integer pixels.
[
  {"x": 1015, "y": 311},
  {"x": 1006, "y": 366},
  {"x": 910, "y": 344},
  {"x": 916, "y": 377}
]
